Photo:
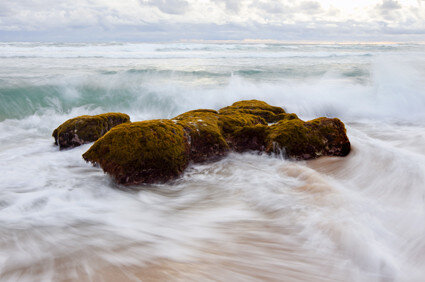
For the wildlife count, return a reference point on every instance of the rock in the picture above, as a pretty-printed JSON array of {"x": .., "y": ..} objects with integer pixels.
[
  {"x": 142, "y": 152},
  {"x": 245, "y": 124},
  {"x": 204, "y": 134},
  {"x": 308, "y": 140},
  {"x": 86, "y": 129},
  {"x": 160, "y": 150},
  {"x": 249, "y": 138},
  {"x": 257, "y": 108},
  {"x": 231, "y": 122}
]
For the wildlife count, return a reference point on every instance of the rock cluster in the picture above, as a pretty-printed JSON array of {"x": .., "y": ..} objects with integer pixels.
[{"x": 160, "y": 150}]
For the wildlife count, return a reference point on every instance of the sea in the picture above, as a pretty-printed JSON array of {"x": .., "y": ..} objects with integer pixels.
[{"x": 246, "y": 217}]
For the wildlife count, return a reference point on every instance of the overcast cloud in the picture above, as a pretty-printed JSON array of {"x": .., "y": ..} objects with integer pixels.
[{"x": 171, "y": 20}]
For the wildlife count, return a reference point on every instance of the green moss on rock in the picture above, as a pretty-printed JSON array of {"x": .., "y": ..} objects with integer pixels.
[
  {"x": 234, "y": 121},
  {"x": 142, "y": 152},
  {"x": 285, "y": 116},
  {"x": 85, "y": 129},
  {"x": 203, "y": 133},
  {"x": 335, "y": 134},
  {"x": 244, "y": 124},
  {"x": 249, "y": 138},
  {"x": 255, "y": 107},
  {"x": 307, "y": 140}
]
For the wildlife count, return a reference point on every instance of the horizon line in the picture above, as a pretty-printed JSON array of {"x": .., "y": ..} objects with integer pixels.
[{"x": 233, "y": 41}]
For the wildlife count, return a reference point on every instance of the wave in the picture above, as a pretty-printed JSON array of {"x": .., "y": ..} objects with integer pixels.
[{"x": 390, "y": 89}]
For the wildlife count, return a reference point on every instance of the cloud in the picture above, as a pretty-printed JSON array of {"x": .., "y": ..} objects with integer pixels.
[
  {"x": 272, "y": 7},
  {"x": 4, "y": 10},
  {"x": 169, "y": 20},
  {"x": 310, "y": 6},
  {"x": 287, "y": 7},
  {"x": 388, "y": 5},
  {"x": 231, "y": 5},
  {"x": 388, "y": 9},
  {"x": 174, "y": 7}
]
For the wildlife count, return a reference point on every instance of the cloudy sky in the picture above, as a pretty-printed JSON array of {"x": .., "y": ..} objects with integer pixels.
[{"x": 172, "y": 20}]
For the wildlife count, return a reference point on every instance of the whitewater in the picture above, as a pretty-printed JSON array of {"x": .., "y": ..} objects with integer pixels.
[{"x": 246, "y": 217}]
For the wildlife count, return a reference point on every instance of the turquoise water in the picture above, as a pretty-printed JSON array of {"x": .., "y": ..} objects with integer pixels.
[
  {"x": 151, "y": 77},
  {"x": 245, "y": 217}
]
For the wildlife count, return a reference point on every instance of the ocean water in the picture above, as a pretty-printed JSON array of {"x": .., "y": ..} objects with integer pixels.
[{"x": 247, "y": 217}]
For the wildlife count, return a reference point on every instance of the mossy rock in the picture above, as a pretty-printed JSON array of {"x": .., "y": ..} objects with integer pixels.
[
  {"x": 334, "y": 132},
  {"x": 254, "y": 105},
  {"x": 85, "y": 129},
  {"x": 142, "y": 152},
  {"x": 249, "y": 138},
  {"x": 232, "y": 122},
  {"x": 258, "y": 108},
  {"x": 204, "y": 134},
  {"x": 285, "y": 116},
  {"x": 244, "y": 124},
  {"x": 308, "y": 140}
]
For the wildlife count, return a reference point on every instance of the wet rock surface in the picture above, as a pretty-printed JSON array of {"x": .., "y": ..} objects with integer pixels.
[{"x": 85, "y": 129}]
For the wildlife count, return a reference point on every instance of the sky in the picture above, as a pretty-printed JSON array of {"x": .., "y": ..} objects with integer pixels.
[{"x": 181, "y": 20}]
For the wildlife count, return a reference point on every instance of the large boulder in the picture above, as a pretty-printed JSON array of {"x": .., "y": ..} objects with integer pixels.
[
  {"x": 244, "y": 124},
  {"x": 204, "y": 134},
  {"x": 85, "y": 129},
  {"x": 160, "y": 150},
  {"x": 307, "y": 140},
  {"x": 142, "y": 152}
]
